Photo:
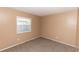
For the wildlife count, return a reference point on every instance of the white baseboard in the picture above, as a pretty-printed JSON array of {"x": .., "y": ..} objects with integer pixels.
[
  {"x": 45, "y": 36},
  {"x": 19, "y": 43}
]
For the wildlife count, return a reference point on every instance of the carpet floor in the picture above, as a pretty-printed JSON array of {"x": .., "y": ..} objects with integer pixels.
[{"x": 41, "y": 45}]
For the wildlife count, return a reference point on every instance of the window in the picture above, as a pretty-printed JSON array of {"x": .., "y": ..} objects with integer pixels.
[{"x": 23, "y": 24}]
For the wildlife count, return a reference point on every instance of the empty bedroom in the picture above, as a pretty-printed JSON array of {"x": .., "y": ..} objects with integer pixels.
[{"x": 39, "y": 29}]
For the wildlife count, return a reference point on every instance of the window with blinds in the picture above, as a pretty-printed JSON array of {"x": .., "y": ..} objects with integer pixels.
[{"x": 23, "y": 24}]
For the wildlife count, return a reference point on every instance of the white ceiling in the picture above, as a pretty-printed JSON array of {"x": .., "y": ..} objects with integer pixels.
[{"x": 43, "y": 11}]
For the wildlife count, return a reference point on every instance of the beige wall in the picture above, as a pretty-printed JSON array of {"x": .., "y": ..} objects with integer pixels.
[
  {"x": 78, "y": 31},
  {"x": 61, "y": 27},
  {"x": 8, "y": 35}
]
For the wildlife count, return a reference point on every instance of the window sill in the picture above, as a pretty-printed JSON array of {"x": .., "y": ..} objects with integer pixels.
[{"x": 23, "y": 32}]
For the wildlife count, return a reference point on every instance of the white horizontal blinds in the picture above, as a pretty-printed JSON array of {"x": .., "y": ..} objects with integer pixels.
[{"x": 23, "y": 24}]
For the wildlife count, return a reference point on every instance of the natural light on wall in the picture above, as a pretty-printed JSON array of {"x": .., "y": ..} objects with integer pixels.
[
  {"x": 23, "y": 24},
  {"x": 71, "y": 23}
]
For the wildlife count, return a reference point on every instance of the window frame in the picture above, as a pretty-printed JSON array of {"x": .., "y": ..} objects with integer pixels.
[{"x": 30, "y": 25}]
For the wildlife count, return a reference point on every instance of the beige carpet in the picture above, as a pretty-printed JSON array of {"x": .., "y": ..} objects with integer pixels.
[{"x": 41, "y": 45}]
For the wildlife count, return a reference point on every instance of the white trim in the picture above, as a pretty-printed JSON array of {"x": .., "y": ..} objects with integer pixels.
[
  {"x": 24, "y": 18},
  {"x": 19, "y": 43},
  {"x": 45, "y": 36}
]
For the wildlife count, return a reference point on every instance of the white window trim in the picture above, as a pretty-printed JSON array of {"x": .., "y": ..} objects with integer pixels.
[{"x": 24, "y": 31}]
